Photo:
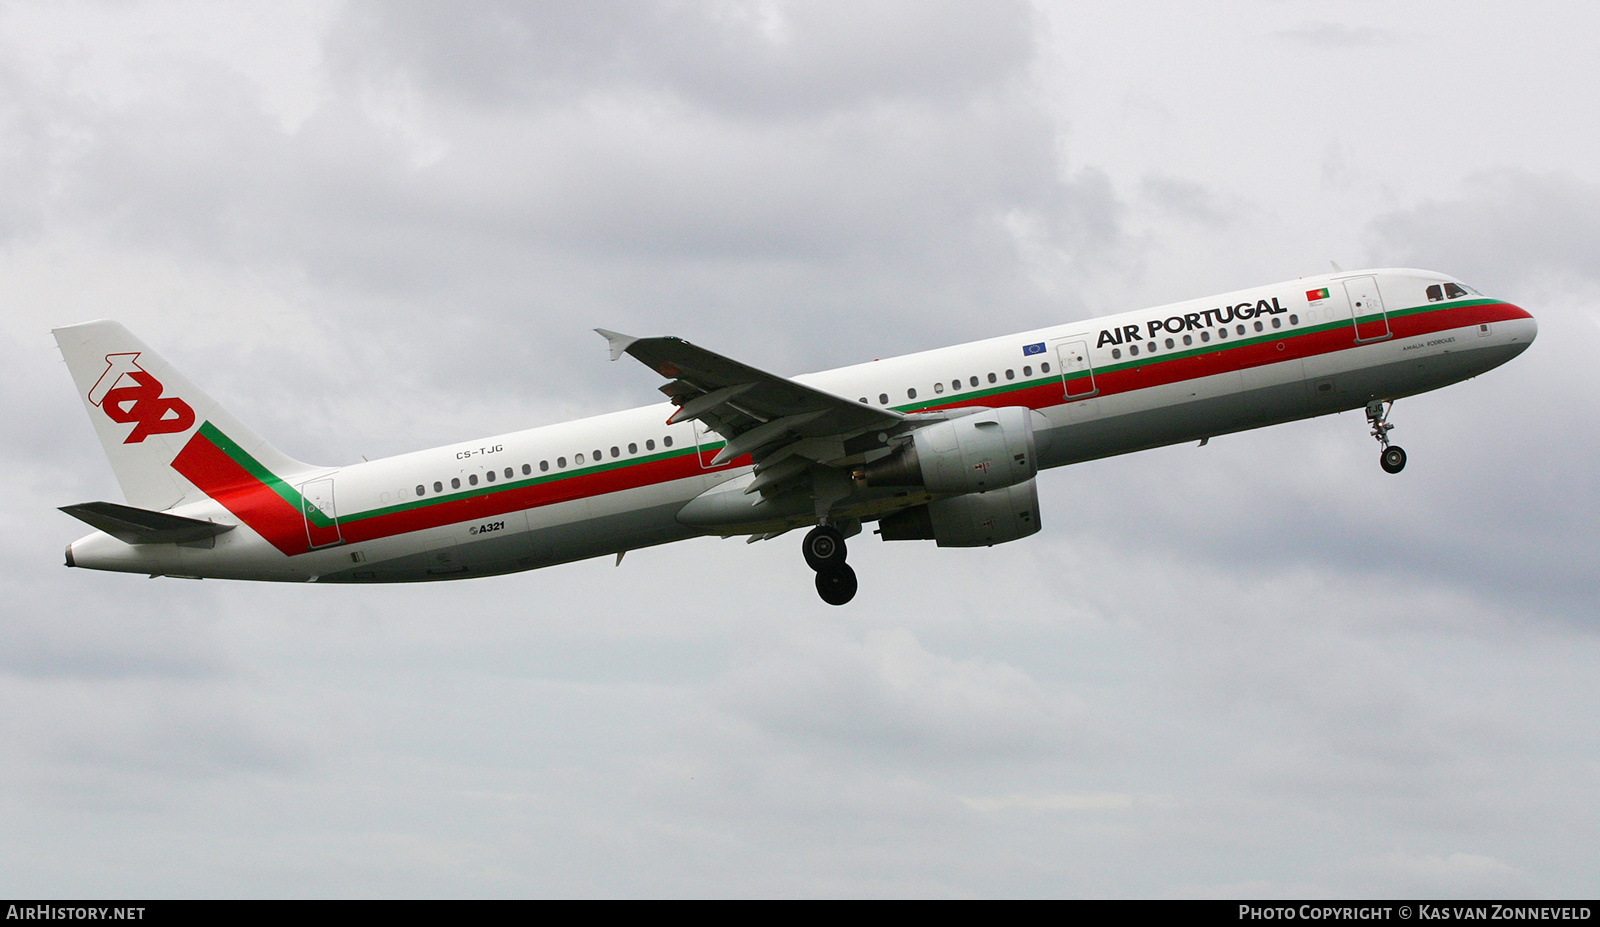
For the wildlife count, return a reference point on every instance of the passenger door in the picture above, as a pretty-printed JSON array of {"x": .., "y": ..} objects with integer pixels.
[
  {"x": 1366, "y": 308},
  {"x": 322, "y": 519}
]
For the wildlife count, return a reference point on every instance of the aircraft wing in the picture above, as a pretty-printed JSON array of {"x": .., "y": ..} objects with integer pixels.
[{"x": 772, "y": 418}]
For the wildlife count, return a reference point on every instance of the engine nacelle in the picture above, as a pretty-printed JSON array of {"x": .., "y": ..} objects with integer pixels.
[
  {"x": 976, "y": 520},
  {"x": 975, "y": 453}
]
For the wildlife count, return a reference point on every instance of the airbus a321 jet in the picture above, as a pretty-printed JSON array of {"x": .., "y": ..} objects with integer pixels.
[{"x": 943, "y": 445}]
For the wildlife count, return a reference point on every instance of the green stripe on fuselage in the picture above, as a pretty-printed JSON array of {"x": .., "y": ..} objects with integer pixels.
[
  {"x": 290, "y": 495},
  {"x": 455, "y": 495}
]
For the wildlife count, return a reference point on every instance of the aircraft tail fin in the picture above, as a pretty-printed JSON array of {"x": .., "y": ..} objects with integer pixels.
[{"x": 150, "y": 418}]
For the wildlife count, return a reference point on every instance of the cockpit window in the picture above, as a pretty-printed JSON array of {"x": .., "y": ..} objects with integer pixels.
[{"x": 1438, "y": 292}]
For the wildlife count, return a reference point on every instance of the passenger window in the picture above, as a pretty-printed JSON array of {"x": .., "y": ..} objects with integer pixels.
[
  {"x": 577, "y": 460},
  {"x": 667, "y": 441},
  {"x": 1258, "y": 325},
  {"x": 1294, "y": 319},
  {"x": 1151, "y": 347},
  {"x": 422, "y": 490},
  {"x": 544, "y": 466},
  {"x": 1222, "y": 333},
  {"x": 1240, "y": 328},
  {"x": 1205, "y": 336},
  {"x": 510, "y": 474},
  {"x": 1116, "y": 353},
  {"x": 1435, "y": 293},
  {"x": 1169, "y": 344},
  {"x": 1027, "y": 371},
  {"x": 615, "y": 451},
  {"x": 526, "y": 470},
  {"x": 938, "y": 388},
  {"x": 1133, "y": 350},
  {"x": 993, "y": 378},
  {"x": 633, "y": 448},
  {"x": 1010, "y": 375},
  {"x": 438, "y": 486},
  {"x": 472, "y": 480},
  {"x": 883, "y": 399},
  {"x": 598, "y": 456},
  {"x": 455, "y": 482},
  {"x": 1045, "y": 367},
  {"x": 911, "y": 393},
  {"x": 561, "y": 463},
  {"x": 1188, "y": 339},
  {"x": 1277, "y": 322},
  {"x": 489, "y": 476},
  {"x": 955, "y": 386},
  {"x": 974, "y": 381},
  {"x": 650, "y": 444}
]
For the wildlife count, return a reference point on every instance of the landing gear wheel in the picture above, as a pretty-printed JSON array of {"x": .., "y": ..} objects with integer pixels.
[
  {"x": 836, "y": 585},
  {"x": 824, "y": 549},
  {"x": 1393, "y": 459}
]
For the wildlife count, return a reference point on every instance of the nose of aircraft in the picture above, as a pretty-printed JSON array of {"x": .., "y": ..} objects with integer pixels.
[{"x": 1524, "y": 328}]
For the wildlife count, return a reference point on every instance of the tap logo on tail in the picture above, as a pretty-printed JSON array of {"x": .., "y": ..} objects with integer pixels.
[{"x": 138, "y": 402}]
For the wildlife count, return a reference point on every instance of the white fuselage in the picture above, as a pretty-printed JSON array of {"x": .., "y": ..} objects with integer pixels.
[{"x": 619, "y": 481}]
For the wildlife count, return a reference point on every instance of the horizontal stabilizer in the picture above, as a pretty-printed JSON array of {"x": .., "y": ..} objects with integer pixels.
[{"x": 142, "y": 526}]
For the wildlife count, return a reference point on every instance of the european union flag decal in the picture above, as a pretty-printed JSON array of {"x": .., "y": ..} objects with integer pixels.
[{"x": 1028, "y": 349}]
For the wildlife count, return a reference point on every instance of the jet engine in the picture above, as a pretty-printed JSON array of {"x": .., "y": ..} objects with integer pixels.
[
  {"x": 975, "y": 520},
  {"x": 975, "y": 453}
]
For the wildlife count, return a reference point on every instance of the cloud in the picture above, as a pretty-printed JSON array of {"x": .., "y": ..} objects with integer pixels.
[
  {"x": 1457, "y": 875},
  {"x": 1188, "y": 200},
  {"x": 889, "y": 694},
  {"x": 1061, "y": 802},
  {"x": 1509, "y": 228},
  {"x": 759, "y": 60},
  {"x": 1338, "y": 36}
]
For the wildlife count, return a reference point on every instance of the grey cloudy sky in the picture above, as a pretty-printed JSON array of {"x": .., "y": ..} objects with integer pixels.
[{"x": 1261, "y": 668}]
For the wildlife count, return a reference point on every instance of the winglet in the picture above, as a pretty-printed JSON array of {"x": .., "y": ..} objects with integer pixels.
[{"x": 618, "y": 341}]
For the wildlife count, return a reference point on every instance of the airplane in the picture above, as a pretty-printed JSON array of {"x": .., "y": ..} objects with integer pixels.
[{"x": 942, "y": 445}]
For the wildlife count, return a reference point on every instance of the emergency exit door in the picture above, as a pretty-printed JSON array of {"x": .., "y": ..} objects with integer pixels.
[{"x": 1077, "y": 373}]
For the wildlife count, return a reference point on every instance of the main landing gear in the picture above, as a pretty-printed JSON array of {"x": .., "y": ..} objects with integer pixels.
[
  {"x": 824, "y": 551},
  {"x": 1393, "y": 457}
]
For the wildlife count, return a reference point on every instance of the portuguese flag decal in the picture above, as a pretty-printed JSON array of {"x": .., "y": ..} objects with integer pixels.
[{"x": 1314, "y": 295}]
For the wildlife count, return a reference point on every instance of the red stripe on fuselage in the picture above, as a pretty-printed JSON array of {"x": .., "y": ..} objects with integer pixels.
[
  {"x": 1225, "y": 358},
  {"x": 250, "y": 500},
  {"x": 449, "y": 511},
  {"x": 206, "y": 466},
  {"x": 268, "y": 514}
]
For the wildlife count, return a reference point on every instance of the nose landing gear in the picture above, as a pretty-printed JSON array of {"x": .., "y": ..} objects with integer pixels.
[
  {"x": 824, "y": 551},
  {"x": 1393, "y": 457}
]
